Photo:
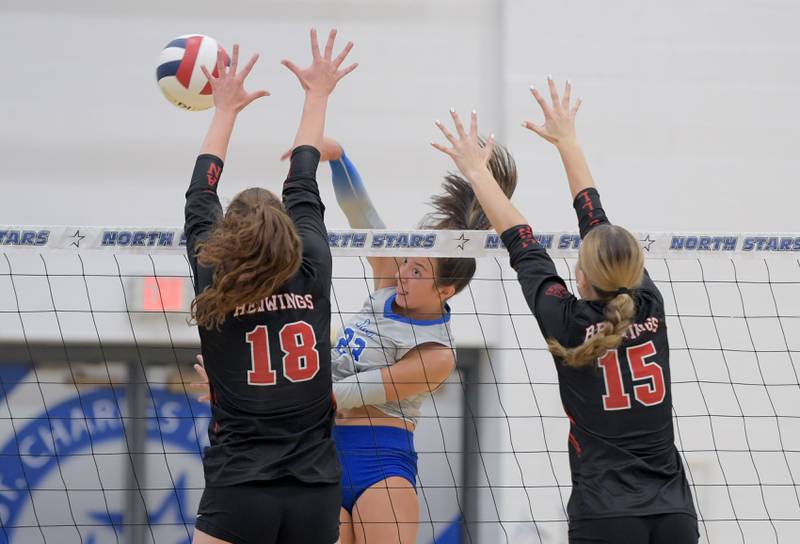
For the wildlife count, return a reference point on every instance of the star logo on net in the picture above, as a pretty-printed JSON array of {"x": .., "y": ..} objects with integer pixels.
[
  {"x": 464, "y": 240},
  {"x": 77, "y": 238},
  {"x": 647, "y": 243}
]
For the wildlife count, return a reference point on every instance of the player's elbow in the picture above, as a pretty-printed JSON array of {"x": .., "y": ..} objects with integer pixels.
[{"x": 438, "y": 367}]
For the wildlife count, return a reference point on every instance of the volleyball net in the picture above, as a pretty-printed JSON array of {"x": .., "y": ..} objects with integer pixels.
[{"x": 101, "y": 440}]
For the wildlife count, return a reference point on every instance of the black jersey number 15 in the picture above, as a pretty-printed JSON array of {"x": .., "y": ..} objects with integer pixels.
[
  {"x": 649, "y": 394},
  {"x": 300, "y": 356}
]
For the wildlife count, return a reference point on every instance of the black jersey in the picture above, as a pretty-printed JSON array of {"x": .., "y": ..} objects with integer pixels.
[
  {"x": 269, "y": 366},
  {"x": 622, "y": 450}
]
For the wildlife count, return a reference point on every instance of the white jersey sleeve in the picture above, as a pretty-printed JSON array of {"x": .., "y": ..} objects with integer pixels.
[{"x": 377, "y": 336}]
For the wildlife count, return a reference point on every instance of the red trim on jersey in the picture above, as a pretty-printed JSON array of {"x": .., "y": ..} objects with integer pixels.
[
  {"x": 213, "y": 401},
  {"x": 587, "y": 204},
  {"x": 213, "y": 173},
  {"x": 575, "y": 444},
  {"x": 526, "y": 234},
  {"x": 185, "y": 68},
  {"x": 557, "y": 290}
]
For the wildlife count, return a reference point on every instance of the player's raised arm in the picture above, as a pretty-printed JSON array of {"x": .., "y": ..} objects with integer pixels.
[
  {"x": 300, "y": 191},
  {"x": 472, "y": 159},
  {"x": 533, "y": 265},
  {"x": 559, "y": 129},
  {"x": 318, "y": 80},
  {"x": 230, "y": 97},
  {"x": 353, "y": 199}
]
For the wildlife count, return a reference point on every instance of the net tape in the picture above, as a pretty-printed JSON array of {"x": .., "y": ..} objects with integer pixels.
[{"x": 432, "y": 243}]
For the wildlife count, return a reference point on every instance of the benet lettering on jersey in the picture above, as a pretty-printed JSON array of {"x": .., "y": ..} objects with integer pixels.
[
  {"x": 280, "y": 301},
  {"x": 24, "y": 237}
]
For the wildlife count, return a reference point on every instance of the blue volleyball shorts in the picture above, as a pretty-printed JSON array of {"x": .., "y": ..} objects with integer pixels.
[{"x": 370, "y": 454}]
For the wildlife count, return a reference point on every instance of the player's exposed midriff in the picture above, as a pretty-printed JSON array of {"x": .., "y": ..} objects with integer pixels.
[{"x": 370, "y": 415}]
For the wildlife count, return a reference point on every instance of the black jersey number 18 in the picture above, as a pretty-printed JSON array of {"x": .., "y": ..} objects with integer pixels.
[
  {"x": 648, "y": 394},
  {"x": 300, "y": 355}
]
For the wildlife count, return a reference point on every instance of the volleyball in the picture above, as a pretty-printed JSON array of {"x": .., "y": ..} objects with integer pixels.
[{"x": 179, "y": 75}]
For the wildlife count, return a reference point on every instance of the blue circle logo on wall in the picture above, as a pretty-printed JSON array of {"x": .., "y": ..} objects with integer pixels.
[{"x": 80, "y": 444}]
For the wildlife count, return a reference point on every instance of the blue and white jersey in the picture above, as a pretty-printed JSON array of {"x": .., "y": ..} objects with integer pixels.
[{"x": 376, "y": 337}]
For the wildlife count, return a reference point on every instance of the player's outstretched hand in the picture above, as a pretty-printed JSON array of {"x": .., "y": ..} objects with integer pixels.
[
  {"x": 228, "y": 87},
  {"x": 470, "y": 155},
  {"x": 201, "y": 386},
  {"x": 324, "y": 73},
  {"x": 559, "y": 116}
]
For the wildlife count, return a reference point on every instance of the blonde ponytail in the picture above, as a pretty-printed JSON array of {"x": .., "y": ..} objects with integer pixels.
[{"x": 613, "y": 262}]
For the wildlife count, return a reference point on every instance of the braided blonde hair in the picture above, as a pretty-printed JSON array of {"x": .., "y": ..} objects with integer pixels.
[{"x": 613, "y": 262}]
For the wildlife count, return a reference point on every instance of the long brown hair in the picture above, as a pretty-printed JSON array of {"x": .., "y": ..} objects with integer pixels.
[
  {"x": 253, "y": 250},
  {"x": 457, "y": 208},
  {"x": 612, "y": 260}
]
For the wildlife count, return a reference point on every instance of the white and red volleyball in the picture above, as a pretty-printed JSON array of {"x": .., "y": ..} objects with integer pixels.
[{"x": 179, "y": 75}]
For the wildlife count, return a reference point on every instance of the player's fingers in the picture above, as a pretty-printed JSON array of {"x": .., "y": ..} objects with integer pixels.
[
  {"x": 314, "y": 45},
  {"x": 255, "y": 96},
  {"x": 450, "y": 137},
  {"x": 208, "y": 75},
  {"x": 292, "y": 67},
  {"x": 459, "y": 125},
  {"x": 567, "y": 95},
  {"x": 329, "y": 44},
  {"x": 577, "y": 106},
  {"x": 234, "y": 60},
  {"x": 533, "y": 127},
  {"x": 286, "y": 154},
  {"x": 341, "y": 56},
  {"x": 542, "y": 102},
  {"x": 201, "y": 371},
  {"x": 443, "y": 149},
  {"x": 248, "y": 67},
  {"x": 346, "y": 71},
  {"x": 551, "y": 84},
  {"x": 489, "y": 145},
  {"x": 473, "y": 125},
  {"x": 221, "y": 68}
]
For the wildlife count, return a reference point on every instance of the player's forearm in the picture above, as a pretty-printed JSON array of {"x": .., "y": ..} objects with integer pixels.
[
  {"x": 312, "y": 122},
  {"x": 219, "y": 133},
  {"x": 498, "y": 208},
  {"x": 578, "y": 173},
  {"x": 352, "y": 196}
]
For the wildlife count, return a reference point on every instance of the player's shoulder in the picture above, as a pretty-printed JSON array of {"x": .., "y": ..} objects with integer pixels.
[{"x": 380, "y": 298}]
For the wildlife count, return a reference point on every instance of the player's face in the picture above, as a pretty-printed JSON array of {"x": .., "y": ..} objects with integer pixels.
[{"x": 416, "y": 284}]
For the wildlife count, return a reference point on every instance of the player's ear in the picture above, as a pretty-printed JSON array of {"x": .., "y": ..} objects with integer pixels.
[{"x": 446, "y": 291}]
